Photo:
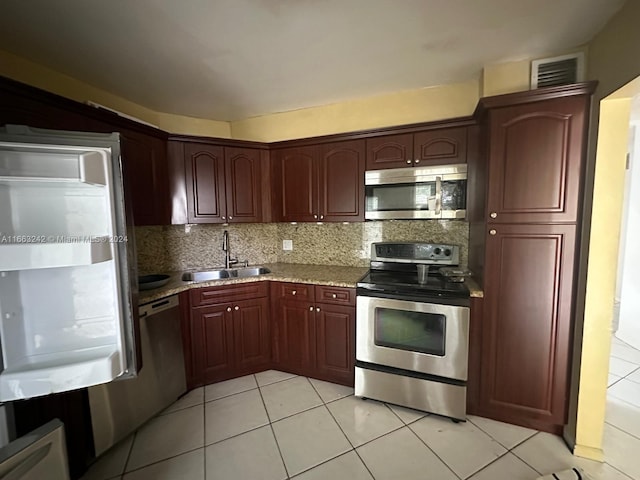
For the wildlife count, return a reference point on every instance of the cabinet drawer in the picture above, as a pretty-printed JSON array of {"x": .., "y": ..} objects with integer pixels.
[
  {"x": 294, "y": 291},
  {"x": 336, "y": 295},
  {"x": 227, "y": 293}
]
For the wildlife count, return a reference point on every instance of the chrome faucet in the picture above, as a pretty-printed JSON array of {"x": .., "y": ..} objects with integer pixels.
[{"x": 228, "y": 261}]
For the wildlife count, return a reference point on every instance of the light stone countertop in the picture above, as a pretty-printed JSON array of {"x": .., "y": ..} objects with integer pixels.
[{"x": 332, "y": 275}]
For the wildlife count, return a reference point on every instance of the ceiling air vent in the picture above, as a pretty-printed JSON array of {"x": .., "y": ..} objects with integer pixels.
[{"x": 549, "y": 72}]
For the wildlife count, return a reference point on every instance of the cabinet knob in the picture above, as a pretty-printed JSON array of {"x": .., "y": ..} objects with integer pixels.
[
  {"x": 417, "y": 160},
  {"x": 224, "y": 218},
  {"x": 311, "y": 309},
  {"x": 228, "y": 309},
  {"x": 230, "y": 217},
  {"x": 294, "y": 292},
  {"x": 315, "y": 216},
  {"x": 236, "y": 308},
  {"x": 321, "y": 217},
  {"x": 492, "y": 232},
  {"x": 317, "y": 309},
  {"x": 408, "y": 162},
  {"x": 493, "y": 214},
  {"x": 334, "y": 296}
]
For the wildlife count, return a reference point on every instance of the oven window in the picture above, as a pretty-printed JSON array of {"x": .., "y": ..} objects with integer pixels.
[{"x": 412, "y": 331}]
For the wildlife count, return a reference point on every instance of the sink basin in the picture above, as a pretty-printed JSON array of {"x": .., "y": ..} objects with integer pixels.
[
  {"x": 205, "y": 276},
  {"x": 248, "y": 272},
  {"x": 222, "y": 273}
]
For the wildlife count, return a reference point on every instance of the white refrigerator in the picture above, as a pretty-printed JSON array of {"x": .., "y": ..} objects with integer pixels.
[{"x": 66, "y": 263}]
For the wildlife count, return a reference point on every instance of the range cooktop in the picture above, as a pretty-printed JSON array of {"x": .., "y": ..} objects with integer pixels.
[{"x": 396, "y": 282}]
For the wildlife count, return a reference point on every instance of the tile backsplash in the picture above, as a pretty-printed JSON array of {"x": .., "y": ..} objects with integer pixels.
[{"x": 180, "y": 247}]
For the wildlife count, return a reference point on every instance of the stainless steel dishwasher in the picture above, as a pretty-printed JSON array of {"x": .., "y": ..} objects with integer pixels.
[{"x": 120, "y": 407}]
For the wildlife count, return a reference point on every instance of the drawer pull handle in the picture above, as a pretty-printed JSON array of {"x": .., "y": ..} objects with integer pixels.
[
  {"x": 334, "y": 296},
  {"x": 293, "y": 292}
]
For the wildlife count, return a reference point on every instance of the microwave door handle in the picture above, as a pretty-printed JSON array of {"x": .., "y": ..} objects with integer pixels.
[{"x": 438, "y": 196}]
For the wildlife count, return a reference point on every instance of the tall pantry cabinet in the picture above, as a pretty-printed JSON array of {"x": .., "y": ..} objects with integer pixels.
[{"x": 529, "y": 177}]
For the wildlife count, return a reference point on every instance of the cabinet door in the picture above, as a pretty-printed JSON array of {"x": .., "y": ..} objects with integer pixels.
[
  {"x": 341, "y": 182},
  {"x": 535, "y": 161},
  {"x": 440, "y": 147},
  {"x": 390, "y": 151},
  {"x": 204, "y": 165},
  {"x": 527, "y": 324},
  {"x": 295, "y": 183},
  {"x": 242, "y": 172},
  {"x": 146, "y": 179},
  {"x": 335, "y": 343},
  {"x": 294, "y": 336},
  {"x": 251, "y": 335},
  {"x": 212, "y": 342}
]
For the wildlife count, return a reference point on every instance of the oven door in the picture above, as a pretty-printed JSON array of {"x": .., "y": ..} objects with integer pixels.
[{"x": 427, "y": 338}]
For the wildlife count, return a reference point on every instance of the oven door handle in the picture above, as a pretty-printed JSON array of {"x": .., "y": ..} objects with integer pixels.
[{"x": 438, "y": 195}]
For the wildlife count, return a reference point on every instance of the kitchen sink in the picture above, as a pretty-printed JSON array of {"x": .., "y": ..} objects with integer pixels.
[
  {"x": 222, "y": 273},
  {"x": 248, "y": 271}
]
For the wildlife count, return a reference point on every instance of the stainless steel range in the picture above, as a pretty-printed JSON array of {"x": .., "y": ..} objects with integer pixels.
[{"x": 412, "y": 331}]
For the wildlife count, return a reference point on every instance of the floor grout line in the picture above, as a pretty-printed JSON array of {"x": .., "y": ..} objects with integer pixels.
[
  {"x": 522, "y": 459},
  {"x": 432, "y": 451},
  {"x": 275, "y": 437}
]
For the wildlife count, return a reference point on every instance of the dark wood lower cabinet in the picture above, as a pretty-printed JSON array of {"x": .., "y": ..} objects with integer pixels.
[
  {"x": 335, "y": 343},
  {"x": 314, "y": 338},
  {"x": 526, "y": 331},
  {"x": 294, "y": 336},
  {"x": 230, "y": 338}
]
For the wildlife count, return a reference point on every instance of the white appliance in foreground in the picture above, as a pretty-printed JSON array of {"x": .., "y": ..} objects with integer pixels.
[
  {"x": 66, "y": 318},
  {"x": 41, "y": 454}
]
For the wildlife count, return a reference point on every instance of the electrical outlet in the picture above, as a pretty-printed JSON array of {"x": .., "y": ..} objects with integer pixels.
[{"x": 287, "y": 245}]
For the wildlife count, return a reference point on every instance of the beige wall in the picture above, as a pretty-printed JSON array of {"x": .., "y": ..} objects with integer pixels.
[
  {"x": 507, "y": 77},
  {"x": 613, "y": 60},
  {"x": 400, "y": 108},
  {"x": 38, "y": 76}
]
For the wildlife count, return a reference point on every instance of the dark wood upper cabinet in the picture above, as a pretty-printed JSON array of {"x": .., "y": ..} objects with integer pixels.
[
  {"x": 535, "y": 161},
  {"x": 390, "y": 151},
  {"x": 526, "y": 327},
  {"x": 320, "y": 183},
  {"x": 295, "y": 178},
  {"x": 204, "y": 174},
  {"x": 144, "y": 161},
  {"x": 243, "y": 186},
  {"x": 341, "y": 182},
  {"x": 440, "y": 147},
  {"x": 430, "y": 147}
]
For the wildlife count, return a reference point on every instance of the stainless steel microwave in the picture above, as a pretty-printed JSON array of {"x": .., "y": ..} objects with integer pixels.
[{"x": 419, "y": 193}]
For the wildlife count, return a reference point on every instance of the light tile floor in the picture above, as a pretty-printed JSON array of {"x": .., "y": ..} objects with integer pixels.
[{"x": 275, "y": 426}]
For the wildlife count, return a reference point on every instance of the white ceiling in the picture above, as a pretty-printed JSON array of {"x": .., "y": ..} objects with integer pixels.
[{"x": 233, "y": 59}]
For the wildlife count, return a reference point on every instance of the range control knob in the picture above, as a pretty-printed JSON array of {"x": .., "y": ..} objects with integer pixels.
[
  {"x": 437, "y": 250},
  {"x": 447, "y": 252}
]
